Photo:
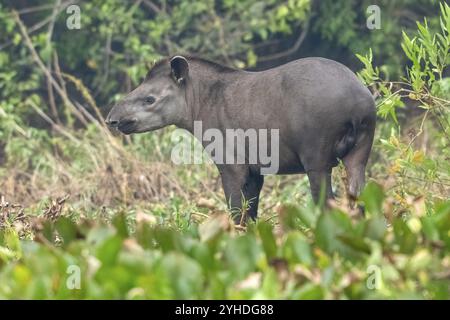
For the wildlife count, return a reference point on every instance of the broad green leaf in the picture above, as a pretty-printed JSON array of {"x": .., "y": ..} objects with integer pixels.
[
  {"x": 109, "y": 250},
  {"x": 66, "y": 229},
  {"x": 372, "y": 197},
  {"x": 404, "y": 237},
  {"x": 296, "y": 249},
  {"x": 268, "y": 239}
]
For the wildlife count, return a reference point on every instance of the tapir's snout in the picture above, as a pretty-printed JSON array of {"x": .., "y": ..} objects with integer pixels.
[
  {"x": 111, "y": 123},
  {"x": 159, "y": 101},
  {"x": 113, "y": 119},
  {"x": 124, "y": 124}
]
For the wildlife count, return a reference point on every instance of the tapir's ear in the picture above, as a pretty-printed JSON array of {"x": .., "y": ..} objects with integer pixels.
[{"x": 180, "y": 69}]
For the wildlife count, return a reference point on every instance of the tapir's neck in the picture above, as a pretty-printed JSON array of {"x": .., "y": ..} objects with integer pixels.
[{"x": 205, "y": 90}]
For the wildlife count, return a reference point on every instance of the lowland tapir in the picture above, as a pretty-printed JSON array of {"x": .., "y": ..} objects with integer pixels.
[{"x": 321, "y": 110}]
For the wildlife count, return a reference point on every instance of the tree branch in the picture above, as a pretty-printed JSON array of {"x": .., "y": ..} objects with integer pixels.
[{"x": 291, "y": 50}]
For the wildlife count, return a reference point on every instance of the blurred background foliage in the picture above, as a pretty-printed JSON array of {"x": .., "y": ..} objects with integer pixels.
[
  {"x": 60, "y": 165},
  {"x": 119, "y": 39}
]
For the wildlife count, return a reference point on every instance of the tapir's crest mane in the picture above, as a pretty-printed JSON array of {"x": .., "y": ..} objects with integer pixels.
[
  {"x": 157, "y": 67},
  {"x": 161, "y": 65},
  {"x": 216, "y": 66}
]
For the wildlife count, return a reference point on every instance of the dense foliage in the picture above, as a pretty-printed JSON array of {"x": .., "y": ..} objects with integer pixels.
[{"x": 309, "y": 255}]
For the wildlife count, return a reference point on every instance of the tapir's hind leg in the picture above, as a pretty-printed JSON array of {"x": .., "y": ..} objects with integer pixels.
[
  {"x": 320, "y": 184},
  {"x": 356, "y": 160}
]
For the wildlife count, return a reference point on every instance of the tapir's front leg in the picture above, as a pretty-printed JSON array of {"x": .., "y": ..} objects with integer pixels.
[{"x": 241, "y": 187}]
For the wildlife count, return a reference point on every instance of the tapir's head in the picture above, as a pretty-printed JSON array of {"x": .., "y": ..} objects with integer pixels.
[{"x": 158, "y": 102}]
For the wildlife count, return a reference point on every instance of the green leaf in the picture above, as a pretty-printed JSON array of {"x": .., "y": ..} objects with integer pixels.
[
  {"x": 430, "y": 229},
  {"x": 310, "y": 292},
  {"x": 307, "y": 216},
  {"x": 356, "y": 243},
  {"x": 242, "y": 254},
  {"x": 404, "y": 237},
  {"x": 375, "y": 228},
  {"x": 120, "y": 223},
  {"x": 331, "y": 226},
  {"x": 109, "y": 250},
  {"x": 66, "y": 229},
  {"x": 289, "y": 216},
  {"x": 12, "y": 241},
  {"x": 183, "y": 274},
  {"x": 372, "y": 197},
  {"x": 268, "y": 240},
  {"x": 6, "y": 255},
  {"x": 296, "y": 249}
]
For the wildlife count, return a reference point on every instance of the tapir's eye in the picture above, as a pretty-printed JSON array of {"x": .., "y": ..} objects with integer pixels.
[{"x": 150, "y": 100}]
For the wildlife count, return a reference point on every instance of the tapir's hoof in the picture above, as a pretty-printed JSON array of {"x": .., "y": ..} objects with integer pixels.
[{"x": 237, "y": 219}]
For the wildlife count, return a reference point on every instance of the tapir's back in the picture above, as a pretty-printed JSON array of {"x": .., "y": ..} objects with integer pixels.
[
  {"x": 308, "y": 92},
  {"x": 317, "y": 83},
  {"x": 314, "y": 102}
]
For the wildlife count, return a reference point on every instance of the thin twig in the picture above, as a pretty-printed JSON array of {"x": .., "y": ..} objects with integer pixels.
[
  {"x": 41, "y": 65},
  {"x": 51, "y": 96},
  {"x": 151, "y": 5},
  {"x": 291, "y": 50}
]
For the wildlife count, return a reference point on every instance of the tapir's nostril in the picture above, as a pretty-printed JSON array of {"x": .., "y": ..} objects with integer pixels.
[{"x": 112, "y": 123}]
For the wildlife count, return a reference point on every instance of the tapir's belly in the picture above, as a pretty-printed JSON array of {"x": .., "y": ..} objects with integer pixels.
[
  {"x": 287, "y": 161},
  {"x": 291, "y": 168}
]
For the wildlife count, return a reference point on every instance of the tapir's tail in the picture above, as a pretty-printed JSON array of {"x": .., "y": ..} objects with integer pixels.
[{"x": 348, "y": 140}]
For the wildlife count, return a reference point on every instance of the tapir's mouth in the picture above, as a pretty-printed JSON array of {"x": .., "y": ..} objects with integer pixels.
[{"x": 127, "y": 126}]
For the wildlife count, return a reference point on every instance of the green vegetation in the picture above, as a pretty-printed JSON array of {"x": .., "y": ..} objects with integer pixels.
[
  {"x": 309, "y": 255},
  {"x": 78, "y": 199}
]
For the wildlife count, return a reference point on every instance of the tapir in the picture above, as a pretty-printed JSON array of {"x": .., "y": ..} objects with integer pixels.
[{"x": 322, "y": 112}]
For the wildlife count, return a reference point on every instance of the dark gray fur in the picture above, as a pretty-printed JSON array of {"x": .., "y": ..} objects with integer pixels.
[{"x": 322, "y": 110}]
